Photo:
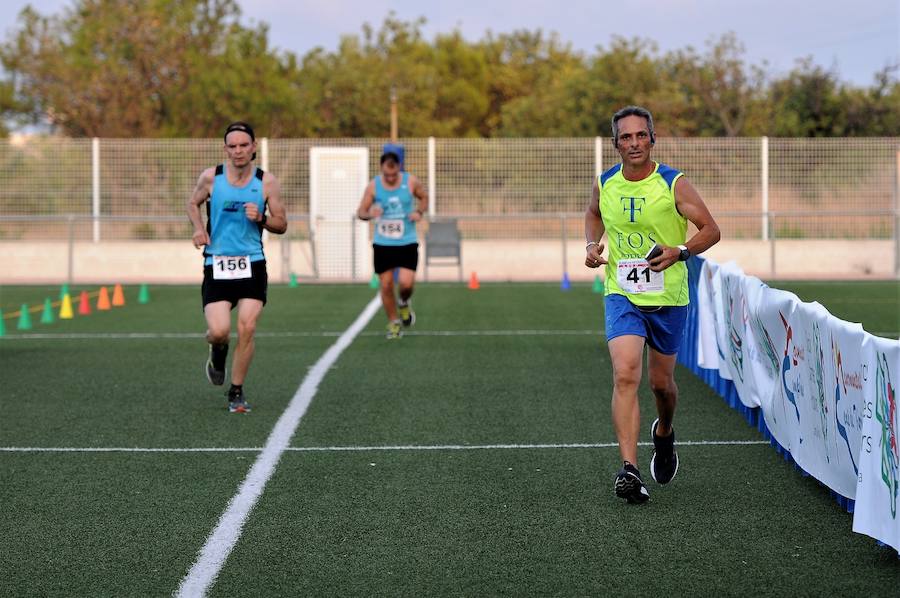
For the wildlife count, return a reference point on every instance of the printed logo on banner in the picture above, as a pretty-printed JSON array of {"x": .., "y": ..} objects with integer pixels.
[
  {"x": 840, "y": 383},
  {"x": 792, "y": 355},
  {"x": 818, "y": 375},
  {"x": 735, "y": 342},
  {"x": 714, "y": 300},
  {"x": 886, "y": 414},
  {"x": 767, "y": 345}
]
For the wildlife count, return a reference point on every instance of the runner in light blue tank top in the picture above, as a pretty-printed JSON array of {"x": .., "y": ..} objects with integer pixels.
[
  {"x": 396, "y": 201},
  {"x": 394, "y": 226},
  {"x": 237, "y": 195},
  {"x": 230, "y": 231}
]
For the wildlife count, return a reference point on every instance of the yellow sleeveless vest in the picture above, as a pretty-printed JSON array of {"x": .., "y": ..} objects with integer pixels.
[{"x": 636, "y": 215}]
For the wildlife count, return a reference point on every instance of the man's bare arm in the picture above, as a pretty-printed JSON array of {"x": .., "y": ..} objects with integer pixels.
[{"x": 199, "y": 196}]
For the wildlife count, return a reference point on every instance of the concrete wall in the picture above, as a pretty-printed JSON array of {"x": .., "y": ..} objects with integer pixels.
[{"x": 129, "y": 262}]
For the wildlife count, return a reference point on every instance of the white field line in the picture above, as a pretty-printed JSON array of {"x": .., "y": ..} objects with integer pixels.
[
  {"x": 323, "y": 333},
  {"x": 318, "y": 334},
  {"x": 361, "y": 449},
  {"x": 223, "y": 538}
]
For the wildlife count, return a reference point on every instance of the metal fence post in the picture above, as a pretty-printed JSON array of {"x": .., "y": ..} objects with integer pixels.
[
  {"x": 598, "y": 155},
  {"x": 764, "y": 182},
  {"x": 71, "y": 220},
  {"x": 897, "y": 217},
  {"x": 285, "y": 258},
  {"x": 95, "y": 186},
  {"x": 771, "y": 237},
  {"x": 432, "y": 183},
  {"x": 353, "y": 247},
  {"x": 565, "y": 260}
]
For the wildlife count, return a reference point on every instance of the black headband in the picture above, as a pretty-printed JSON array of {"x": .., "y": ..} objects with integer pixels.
[{"x": 242, "y": 127}]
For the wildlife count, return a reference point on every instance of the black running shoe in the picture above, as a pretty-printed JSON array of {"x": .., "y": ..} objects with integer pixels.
[
  {"x": 664, "y": 463},
  {"x": 630, "y": 486},
  {"x": 215, "y": 365}
]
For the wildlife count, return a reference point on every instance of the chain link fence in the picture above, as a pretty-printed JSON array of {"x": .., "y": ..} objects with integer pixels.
[{"x": 102, "y": 190}]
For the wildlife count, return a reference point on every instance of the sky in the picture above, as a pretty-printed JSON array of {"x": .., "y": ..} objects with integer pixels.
[{"x": 853, "y": 38}]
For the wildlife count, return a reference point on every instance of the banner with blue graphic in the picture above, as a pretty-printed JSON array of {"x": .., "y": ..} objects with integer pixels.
[{"x": 823, "y": 389}]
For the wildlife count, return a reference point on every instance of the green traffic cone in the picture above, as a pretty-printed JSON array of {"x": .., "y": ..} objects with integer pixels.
[
  {"x": 293, "y": 282},
  {"x": 144, "y": 295},
  {"x": 2, "y": 324},
  {"x": 63, "y": 291},
  {"x": 47, "y": 315},
  {"x": 24, "y": 318},
  {"x": 598, "y": 284},
  {"x": 374, "y": 283}
]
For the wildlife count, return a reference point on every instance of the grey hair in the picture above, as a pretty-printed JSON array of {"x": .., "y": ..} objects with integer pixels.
[{"x": 631, "y": 111}]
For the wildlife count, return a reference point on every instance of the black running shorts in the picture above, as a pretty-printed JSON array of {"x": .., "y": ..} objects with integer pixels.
[
  {"x": 232, "y": 291},
  {"x": 388, "y": 257}
]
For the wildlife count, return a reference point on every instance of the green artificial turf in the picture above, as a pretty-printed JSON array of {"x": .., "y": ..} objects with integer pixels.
[{"x": 505, "y": 365}]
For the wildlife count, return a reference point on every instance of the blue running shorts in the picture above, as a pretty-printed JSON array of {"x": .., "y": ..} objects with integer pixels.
[{"x": 663, "y": 327}]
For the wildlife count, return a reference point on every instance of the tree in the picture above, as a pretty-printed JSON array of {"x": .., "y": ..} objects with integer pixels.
[
  {"x": 118, "y": 68},
  {"x": 723, "y": 94}
]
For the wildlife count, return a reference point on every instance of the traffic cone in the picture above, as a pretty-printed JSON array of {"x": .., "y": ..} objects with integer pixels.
[
  {"x": 118, "y": 299},
  {"x": 24, "y": 318},
  {"x": 565, "y": 284},
  {"x": 65, "y": 308},
  {"x": 374, "y": 283},
  {"x": 103, "y": 300},
  {"x": 144, "y": 295},
  {"x": 473, "y": 282},
  {"x": 598, "y": 284},
  {"x": 2, "y": 324},
  {"x": 47, "y": 315},
  {"x": 84, "y": 304},
  {"x": 293, "y": 282},
  {"x": 63, "y": 291}
]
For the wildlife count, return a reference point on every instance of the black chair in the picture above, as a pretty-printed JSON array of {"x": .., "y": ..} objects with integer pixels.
[{"x": 442, "y": 246}]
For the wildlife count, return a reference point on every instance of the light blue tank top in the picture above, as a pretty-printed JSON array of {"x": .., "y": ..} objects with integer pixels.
[
  {"x": 394, "y": 226},
  {"x": 230, "y": 232}
]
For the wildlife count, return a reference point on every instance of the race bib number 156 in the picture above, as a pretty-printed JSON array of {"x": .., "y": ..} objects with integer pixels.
[
  {"x": 231, "y": 267},
  {"x": 635, "y": 276}
]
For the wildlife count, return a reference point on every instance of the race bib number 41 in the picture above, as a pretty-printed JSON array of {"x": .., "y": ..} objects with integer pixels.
[
  {"x": 391, "y": 229},
  {"x": 635, "y": 276},
  {"x": 231, "y": 267}
]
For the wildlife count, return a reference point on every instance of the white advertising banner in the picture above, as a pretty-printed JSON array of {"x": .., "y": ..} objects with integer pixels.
[
  {"x": 708, "y": 352},
  {"x": 826, "y": 388},
  {"x": 878, "y": 486}
]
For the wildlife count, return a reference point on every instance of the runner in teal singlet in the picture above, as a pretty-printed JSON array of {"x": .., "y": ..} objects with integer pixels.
[
  {"x": 396, "y": 201},
  {"x": 236, "y": 195}
]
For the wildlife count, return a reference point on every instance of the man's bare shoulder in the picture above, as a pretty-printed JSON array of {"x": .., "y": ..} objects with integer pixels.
[{"x": 208, "y": 175}]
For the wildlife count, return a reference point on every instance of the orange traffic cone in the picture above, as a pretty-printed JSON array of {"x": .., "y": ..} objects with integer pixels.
[
  {"x": 103, "y": 300},
  {"x": 473, "y": 282},
  {"x": 84, "y": 304},
  {"x": 118, "y": 298}
]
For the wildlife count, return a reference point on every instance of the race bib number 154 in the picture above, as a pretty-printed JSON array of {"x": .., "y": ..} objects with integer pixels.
[{"x": 391, "y": 229}]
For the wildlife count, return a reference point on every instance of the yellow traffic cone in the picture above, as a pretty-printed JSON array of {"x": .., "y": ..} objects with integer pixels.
[{"x": 65, "y": 309}]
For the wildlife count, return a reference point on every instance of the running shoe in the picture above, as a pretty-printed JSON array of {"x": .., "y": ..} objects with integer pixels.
[
  {"x": 630, "y": 486},
  {"x": 393, "y": 330},
  {"x": 664, "y": 463},
  {"x": 407, "y": 314},
  {"x": 237, "y": 403},
  {"x": 215, "y": 365}
]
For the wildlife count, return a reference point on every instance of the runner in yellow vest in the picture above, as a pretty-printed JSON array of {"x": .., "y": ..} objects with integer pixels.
[{"x": 641, "y": 205}]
